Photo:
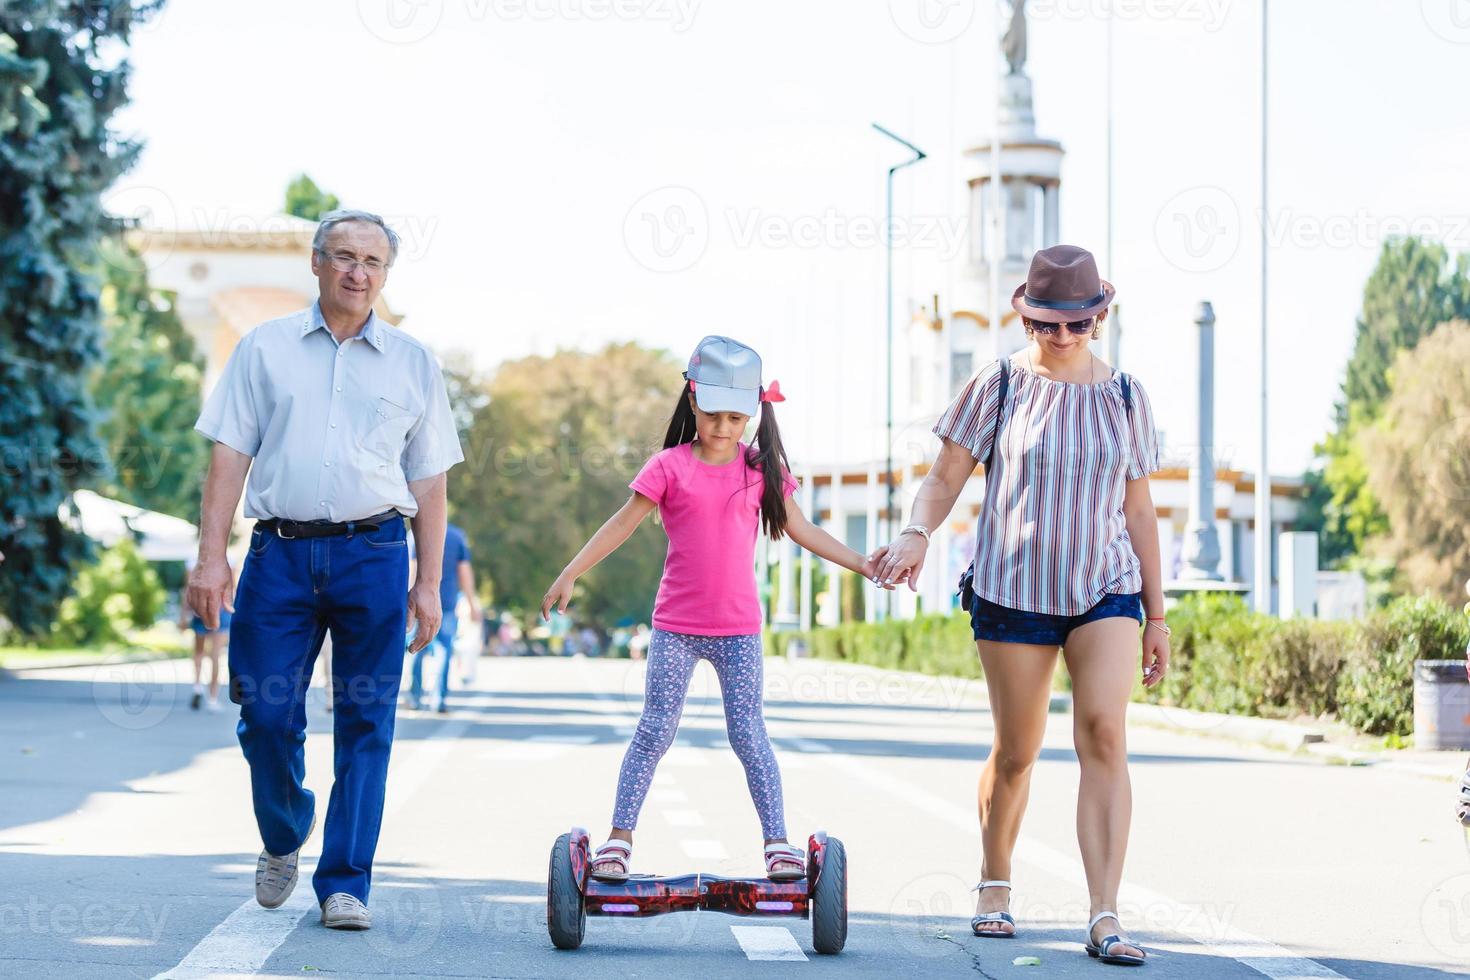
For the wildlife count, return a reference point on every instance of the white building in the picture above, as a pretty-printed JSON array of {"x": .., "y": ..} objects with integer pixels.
[{"x": 944, "y": 342}]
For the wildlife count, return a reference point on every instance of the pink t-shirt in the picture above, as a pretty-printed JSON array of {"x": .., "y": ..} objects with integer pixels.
[{"x": 712, "y": 517}]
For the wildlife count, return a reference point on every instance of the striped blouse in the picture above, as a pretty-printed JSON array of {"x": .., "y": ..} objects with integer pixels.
[{"x": 1052, "y": 537}]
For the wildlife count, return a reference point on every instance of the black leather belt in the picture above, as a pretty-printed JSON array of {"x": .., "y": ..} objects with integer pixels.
[{"x": 325, "y": 529}]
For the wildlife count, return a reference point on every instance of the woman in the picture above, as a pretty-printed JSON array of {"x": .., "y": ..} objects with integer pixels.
[{"x": 1067, "y": 556}]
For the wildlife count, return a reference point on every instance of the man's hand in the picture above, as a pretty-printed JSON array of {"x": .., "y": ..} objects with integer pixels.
[
  {"x": 425, "y": 609},
  {"x": 211, "y": 588}
]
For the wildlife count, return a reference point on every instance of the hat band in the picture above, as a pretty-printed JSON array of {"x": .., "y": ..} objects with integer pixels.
[{"x": 1064, "y": 304}]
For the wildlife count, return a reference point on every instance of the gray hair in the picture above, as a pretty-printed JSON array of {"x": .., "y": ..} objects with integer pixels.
[{"x": 332, "y": 219}]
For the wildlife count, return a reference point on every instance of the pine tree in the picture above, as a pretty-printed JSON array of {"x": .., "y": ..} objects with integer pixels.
[{"x": 61, "y": 81}]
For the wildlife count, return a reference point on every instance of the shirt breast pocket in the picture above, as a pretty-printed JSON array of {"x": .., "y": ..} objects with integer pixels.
[{"x": 386, "y": 424}]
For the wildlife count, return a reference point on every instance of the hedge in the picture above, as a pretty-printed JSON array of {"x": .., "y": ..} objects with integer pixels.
[{"x": 1226, "y": 658}]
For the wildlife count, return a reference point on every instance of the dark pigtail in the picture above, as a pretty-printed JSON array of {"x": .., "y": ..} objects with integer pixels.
[
  {"x": 681, "y": 423},
  {"x": 768, "y": 456}
]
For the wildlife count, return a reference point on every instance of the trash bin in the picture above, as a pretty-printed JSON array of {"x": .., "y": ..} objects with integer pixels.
[{"x": 1441, "y": 705}]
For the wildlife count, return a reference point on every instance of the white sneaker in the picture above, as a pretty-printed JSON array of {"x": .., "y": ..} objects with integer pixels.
[
  {"x": 343, "y": 911},
  {"x": 275, "y": 875},
  {"x": 212, "y": 705}
]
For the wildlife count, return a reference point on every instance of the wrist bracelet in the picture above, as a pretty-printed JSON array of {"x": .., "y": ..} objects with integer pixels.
[
  {"x": 1158, "y": 624},
  {"x": 918, "y": 529}
]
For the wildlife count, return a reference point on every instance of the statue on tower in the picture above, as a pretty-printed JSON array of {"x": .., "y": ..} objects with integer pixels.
[{"x": 1014, "y": 41}]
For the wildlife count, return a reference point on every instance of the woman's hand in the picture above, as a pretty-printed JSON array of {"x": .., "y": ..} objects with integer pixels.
[
  {"x": 1155, "y": 655},
  {"x": 900, "y": 561},
  {"x": 558, "y": 595},
  {"x": 870, "y": 567}
]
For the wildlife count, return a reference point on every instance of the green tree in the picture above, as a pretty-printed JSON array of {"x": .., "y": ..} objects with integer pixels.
[
  {"x": 61, "y": 81},
  {"x": 148, "y": 391},
  {"x": 1415, "y": 287},
  {"x": 306, "y": 200},
  {"x": 548, "y": 457},
  {"x": 1418, "y": 456}
]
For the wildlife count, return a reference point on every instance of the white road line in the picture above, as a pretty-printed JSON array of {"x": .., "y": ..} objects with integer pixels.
[
  {"x": 684, "y": 755},
  {"x": 768, "y": 943},
  {"x": 684, "y": 818},
  {"x": 249, "y": 935},
  {"x": 564, "y": 739},
  {"x": 705, "y": 850},
  {"x": 1203, "y": 924}
]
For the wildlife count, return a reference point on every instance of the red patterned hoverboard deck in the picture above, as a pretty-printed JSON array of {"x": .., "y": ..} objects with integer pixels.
[{"x": 572, "y": 893}]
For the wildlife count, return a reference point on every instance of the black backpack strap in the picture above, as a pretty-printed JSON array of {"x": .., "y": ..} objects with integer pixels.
[
  {"x": 1123, "y": 381},
  {"x": 1000, "y": 406}
]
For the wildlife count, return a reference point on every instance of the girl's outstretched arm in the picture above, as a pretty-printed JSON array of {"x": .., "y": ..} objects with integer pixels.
[
  {"x": 608, "y": 539},
  {"x": 823, "y": 545}
]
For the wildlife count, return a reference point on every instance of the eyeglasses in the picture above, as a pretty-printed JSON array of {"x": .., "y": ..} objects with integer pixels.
[
  {"x": 346, "y": 262},
  {"x": 1076, "y": 326}
]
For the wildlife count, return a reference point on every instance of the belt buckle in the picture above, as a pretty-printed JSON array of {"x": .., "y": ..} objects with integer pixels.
[{"x": 283, "y": 536}]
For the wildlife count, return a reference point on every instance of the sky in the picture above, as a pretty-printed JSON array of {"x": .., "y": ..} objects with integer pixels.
[{"x": 567, "y": 173}]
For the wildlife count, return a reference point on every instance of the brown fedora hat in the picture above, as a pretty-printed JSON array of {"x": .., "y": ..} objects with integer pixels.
[{"x": 1061, "y": 285}]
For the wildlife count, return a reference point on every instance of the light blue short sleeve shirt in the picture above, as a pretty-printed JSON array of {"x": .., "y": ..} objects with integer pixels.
[{"x": 336, "y": 431}]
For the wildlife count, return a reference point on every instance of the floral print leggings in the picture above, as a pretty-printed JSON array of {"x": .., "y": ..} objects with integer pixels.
[{"x": 737, "y": 663}]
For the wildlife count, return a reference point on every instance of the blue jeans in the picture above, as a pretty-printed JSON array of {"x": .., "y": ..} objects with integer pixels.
[
  {"x": 444, "y": 642},
  {"x": 1001, "y": 624},
  {"x": 291, "y": 592}
]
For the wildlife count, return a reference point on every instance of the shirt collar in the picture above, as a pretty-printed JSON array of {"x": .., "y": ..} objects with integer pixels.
[{"x": 371, "y": 331}]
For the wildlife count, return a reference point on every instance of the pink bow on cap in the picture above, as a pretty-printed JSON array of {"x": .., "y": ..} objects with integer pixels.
[{"x": 773, "y": 393}]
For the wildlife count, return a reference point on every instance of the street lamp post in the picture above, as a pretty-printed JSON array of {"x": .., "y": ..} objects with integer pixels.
[
  {"x": 1263, "y": 471},
  {"x": 888, "y": 242}
]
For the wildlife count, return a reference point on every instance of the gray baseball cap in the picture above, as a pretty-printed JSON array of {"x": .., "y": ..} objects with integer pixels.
[{"x": 726, "y": 376}]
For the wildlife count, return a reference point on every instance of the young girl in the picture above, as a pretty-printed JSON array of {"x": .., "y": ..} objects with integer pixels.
[{"x": 713, "y": 494}]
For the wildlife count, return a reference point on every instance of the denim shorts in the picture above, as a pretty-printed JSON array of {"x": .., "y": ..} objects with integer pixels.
[{"x": 999, "y": 624}]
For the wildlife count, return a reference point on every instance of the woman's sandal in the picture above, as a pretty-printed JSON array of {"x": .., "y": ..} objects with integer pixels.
[
  {"x": 610, "y": 861},
  {"x": 1104, "y": 950},
  {"x": 785, "y": 862},
  {"x": 985, "y": 917},
  {"x": 1462, "y": 805}
]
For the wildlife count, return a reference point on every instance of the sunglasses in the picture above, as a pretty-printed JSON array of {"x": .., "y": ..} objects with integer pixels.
[{"x": 1076, "y": 326}]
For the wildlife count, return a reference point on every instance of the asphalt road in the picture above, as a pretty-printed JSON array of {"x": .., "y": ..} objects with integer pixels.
[{"x": 127, "y": 844}]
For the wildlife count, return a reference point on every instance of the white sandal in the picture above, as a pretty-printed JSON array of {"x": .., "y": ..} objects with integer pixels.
[
  {"x": 610, "y": 862},
  {"x": 1462, "y": 805},
  {"x": 985, "y": 917},
  {"x": 785, "y": 862},
  {"x": 1104, "y": 949}
]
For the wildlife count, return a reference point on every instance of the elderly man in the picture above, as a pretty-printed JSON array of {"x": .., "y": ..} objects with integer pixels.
[{"x": 344, "y": 428}]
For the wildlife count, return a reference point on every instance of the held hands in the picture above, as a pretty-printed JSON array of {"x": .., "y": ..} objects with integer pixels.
[
  {"x": 425, "y": 610},
  {"x": 899, "y": 561},
  {"x": 558, "y": 595}
]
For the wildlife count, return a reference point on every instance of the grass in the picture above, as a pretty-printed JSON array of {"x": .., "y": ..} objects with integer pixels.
[{"x": 160, "y": 641}]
